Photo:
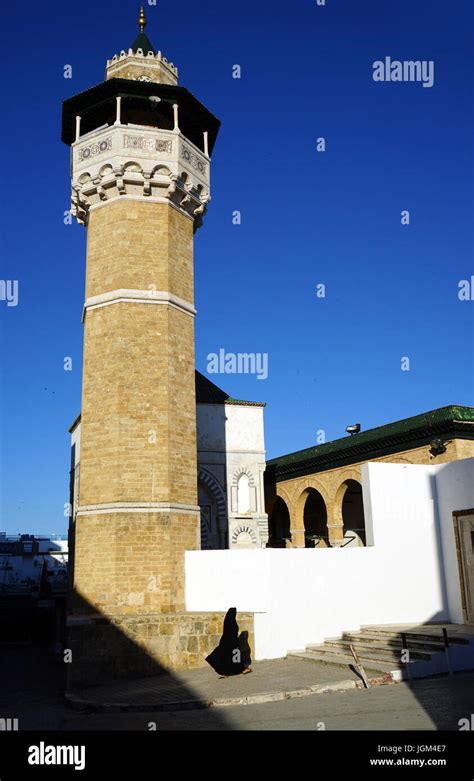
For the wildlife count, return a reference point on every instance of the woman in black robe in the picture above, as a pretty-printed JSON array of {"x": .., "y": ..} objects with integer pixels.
[{"x": 232, "y": 655}]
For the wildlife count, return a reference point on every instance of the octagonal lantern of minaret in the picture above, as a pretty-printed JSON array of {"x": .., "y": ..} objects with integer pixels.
[{"x": 139, "y": 133}]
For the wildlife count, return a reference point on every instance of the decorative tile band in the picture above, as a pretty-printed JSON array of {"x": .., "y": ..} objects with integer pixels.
[
  {"x": 244, "y": 530},
  {"x": 97, "y": 148},
  {"x": 193, "y": 159},
  {"x": 150, "y": 144}
]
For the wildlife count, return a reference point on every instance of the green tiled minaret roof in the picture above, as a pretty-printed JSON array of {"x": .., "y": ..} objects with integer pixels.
[{"x": 142, "y": 40}]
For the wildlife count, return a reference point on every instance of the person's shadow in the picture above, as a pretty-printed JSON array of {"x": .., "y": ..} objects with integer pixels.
[{"x": 233, "y": 654}]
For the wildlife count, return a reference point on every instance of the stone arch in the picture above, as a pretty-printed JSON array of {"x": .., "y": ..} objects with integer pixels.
[
  {"x": 309, "y": 482},
  {"x": 283, "y": 493},
  {"x": 352, "y": 513},
  {"x": 106, "y": 170},
  {"x": 242, "y": 470},
  {"x": 216, "y": 516},
  {"x": 243, "y": 490},
  {"x": 278, "y": 523},
  {"x": 298, "y": 504},
  {"x": 270, "y": 499},
  {"x": 132, "y": 167},
  {"x": 161, "y": 170},
  {"x": 315, "y": 519},
  {"x": 244, "y": 499},
  {"x": 244, "y": 536},
  {"x": 347, "y": 474}
]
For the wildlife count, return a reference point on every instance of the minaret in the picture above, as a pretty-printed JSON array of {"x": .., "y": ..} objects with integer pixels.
[{"x": 140, "y": 163}]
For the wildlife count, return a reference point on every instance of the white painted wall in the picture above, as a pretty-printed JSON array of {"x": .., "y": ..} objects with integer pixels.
[
  {"x": 303, "y": 596},
  {"x": 455, "y": 491}
]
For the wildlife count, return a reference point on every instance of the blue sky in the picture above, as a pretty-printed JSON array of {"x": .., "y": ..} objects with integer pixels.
[{"x": 307, "y": 217}]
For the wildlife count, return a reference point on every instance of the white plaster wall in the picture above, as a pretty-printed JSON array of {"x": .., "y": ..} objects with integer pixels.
[
  {"x": 244, "y": 429},
  {"x": 304, "y": 596},
  {"x": 230, "y": 431},
  {"x": 246, "y": 451},
  {"x": 217, "y": 580},
  {"x": 455, "y": 491}
]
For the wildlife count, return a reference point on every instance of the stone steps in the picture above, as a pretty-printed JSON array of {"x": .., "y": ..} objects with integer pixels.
[
  {"x": 428, "y": 636},
  {"x": 343, "y": 661},
  {"x": 394, "y": 641},
  {"x": 373, "y": 650},
  {"x": 379, "y": 649}
]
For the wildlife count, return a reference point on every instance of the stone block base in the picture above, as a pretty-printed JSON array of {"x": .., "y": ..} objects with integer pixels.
[{"x": 125, "y": 646}]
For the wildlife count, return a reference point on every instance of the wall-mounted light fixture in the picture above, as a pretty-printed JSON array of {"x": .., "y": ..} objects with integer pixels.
[{"x": 437, "y": 446}]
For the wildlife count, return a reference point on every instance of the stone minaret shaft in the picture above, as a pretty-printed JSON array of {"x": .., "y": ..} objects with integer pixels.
[{"x": 140, "y": 183}]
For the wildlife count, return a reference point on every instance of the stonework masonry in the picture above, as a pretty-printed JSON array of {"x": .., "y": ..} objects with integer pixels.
[
  {"x": 137, "y": 512},
  {"x": 141, "y": 190},
  {"x": 137, "y": 65},
  {"x": 155, "y": 244},
  {"x": 131, "y": 646},
  {"x": 139, "y": 409}
]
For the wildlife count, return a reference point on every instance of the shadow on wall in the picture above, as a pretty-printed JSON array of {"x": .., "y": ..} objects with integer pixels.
[
  {"x": 279, "y": 524},
  {"x": 129, "y": 645}
]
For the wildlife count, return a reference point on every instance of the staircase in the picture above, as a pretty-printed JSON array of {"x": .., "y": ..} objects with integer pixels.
[{"x": 379, "y": 649}]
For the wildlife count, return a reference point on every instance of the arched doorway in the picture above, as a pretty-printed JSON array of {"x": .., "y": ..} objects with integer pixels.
[
  {"x": 353, "y": 515},
  {"x": 279, "y": 524},
  {"x": 315, "y": 519}
]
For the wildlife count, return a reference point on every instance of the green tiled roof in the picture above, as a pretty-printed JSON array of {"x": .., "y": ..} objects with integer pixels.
[
  {"x": 142, "y": 41},
  {"x": 208, "y": 393},
  {"x": 404, "y": 434}
]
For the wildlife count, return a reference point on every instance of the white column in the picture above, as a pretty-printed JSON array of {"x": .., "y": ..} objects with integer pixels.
[
  {"x": 118, "y": 112},
  {"x": 175, "y": 112},
  {"x": 206, "y": 143},
  {"x": 78, "y": 128}
]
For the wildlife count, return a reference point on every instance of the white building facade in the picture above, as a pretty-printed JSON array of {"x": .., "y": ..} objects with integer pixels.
[{"x": 408, "y": 573}]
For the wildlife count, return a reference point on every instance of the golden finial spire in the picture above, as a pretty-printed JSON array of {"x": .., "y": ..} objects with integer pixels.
[{"x": 142, "y": 20}]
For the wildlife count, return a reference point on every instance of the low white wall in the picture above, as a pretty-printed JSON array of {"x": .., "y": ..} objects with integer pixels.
[
  {"x": 455, "y": 492},
  {"x": 302, "y": 596}
]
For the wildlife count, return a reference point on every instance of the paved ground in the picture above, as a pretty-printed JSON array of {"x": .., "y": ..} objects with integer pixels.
[
  {"x": 32, "y": 692},
  {"x": 425, "y": 705},
  {"x": 267, "y": 679}
]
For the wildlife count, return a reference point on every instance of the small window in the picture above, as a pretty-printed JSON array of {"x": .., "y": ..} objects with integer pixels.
[{"x": 243, "y": 495}]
